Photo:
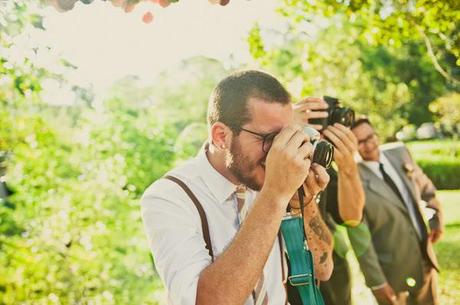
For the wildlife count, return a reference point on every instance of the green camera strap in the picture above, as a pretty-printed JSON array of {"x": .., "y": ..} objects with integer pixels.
[{"x": 302, "y": 274}]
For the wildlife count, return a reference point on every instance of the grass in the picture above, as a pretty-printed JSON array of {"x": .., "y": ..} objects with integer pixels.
[{"x": 448, "y": 249}]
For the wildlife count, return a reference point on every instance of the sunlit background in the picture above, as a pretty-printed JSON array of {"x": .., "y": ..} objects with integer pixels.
[
  {"x": 96, "y": 103},
  {"x": 104, "y": 43}
]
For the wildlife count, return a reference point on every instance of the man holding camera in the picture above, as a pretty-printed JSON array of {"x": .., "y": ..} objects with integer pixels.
[
  {"x": 398, "y": 263},
  {"x": 244, "y": 178},
  {"x": 343, "y": 200}
]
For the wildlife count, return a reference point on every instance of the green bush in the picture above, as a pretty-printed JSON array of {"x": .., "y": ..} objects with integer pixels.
[
  {"x": 440, "y": 160},
  {"x": 445, "y": 175}
]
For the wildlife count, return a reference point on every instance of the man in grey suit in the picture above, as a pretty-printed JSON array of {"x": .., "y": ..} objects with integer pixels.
[{"x": 394, "y": 243}]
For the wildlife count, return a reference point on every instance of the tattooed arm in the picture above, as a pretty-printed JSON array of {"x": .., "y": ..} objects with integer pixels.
[
  {"x": 319, "y": 241},
  {"x": 319, "y": 237}
]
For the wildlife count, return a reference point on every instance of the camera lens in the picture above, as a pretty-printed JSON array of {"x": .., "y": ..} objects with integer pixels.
[
  {"x": 323, "y": 151},
  {"x": 342, "y": 115}
]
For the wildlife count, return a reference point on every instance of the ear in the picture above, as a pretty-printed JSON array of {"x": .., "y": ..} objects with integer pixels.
[{"x": 221, "y": 135}]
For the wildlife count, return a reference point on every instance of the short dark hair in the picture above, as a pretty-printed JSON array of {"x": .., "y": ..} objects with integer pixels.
[
  {"x": 229, "y": 99},
  {"x": 360, "y": 121}
]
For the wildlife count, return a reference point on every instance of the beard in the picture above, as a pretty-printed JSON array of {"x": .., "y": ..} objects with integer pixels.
[{"x": 241, "y": 166}]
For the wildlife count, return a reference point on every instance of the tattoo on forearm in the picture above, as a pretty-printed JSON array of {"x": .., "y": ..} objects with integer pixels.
[
  {"x": 323, "y": 258},
  {"x": 318, "y": 227}
]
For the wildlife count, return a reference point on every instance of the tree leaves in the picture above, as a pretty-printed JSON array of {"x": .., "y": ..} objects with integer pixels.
[{"x": 393, "y": 23}]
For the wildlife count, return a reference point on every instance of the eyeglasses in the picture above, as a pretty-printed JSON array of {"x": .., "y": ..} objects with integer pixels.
[
  {"x": 366, "y": 139},
  {"x": 267, "y": 138}
]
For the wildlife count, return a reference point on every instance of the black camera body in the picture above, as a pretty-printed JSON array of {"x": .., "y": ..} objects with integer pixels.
[{"x": 336, "y": 114}]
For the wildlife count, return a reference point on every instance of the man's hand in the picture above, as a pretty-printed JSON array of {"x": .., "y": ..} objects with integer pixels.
[
  {"x": 437, "y": 222},
  {"x": 385, "y": 295},
  {"x": 310, "y": 108},
  {"x": 288, "y": 162},
  {"x": 346, "y": 146},
  {"x": 436, "y": 234},
  {"x": 316, "y": 181}
]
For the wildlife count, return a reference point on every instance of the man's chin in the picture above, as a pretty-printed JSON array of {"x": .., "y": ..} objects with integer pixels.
[
  {"x": 259, "y": 178},
  {"x": 371, "y": 158},
  {"x": 256, "y": 182}
]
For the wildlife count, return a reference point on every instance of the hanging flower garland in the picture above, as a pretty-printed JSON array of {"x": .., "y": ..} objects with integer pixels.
[{"x": 126, "y": 5}]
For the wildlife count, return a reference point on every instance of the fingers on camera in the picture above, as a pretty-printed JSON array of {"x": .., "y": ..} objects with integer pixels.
[
  {"x": 317, "y": 114},
  {"x": 314, "y": 103},
  {"x": 330, "y": 133},
  {"x": 316, "y": 126},
  {"x": 347, "y": 132},
  {"x": 299, "y": 138},
  {"x": 311, "y": 180},
  {"x": 284, "y": 136},
  {"x": 321, "y": 175}
]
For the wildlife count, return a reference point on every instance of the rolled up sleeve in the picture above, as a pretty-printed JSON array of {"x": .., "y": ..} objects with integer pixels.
[{"x": 174, "y": 232}]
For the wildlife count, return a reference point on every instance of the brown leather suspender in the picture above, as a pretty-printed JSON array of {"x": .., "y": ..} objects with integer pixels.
[
  {"x": 199, "y": 207},
  {"x": 205, "y": 226}
]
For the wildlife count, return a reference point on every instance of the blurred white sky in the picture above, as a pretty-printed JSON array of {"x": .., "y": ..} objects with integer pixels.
[{"x": 105, "y": 43}]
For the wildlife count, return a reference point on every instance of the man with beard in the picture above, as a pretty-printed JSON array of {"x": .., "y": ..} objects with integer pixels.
[
  {"x": 342, "y": 201},
  {"x": 396, "y": 250},
  {"x": 254, "y": 161}
]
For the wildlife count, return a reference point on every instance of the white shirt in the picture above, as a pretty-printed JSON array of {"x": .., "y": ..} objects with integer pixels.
[
  {"x": 391, "y": 171},
  {"x": 173, "y": 228}
]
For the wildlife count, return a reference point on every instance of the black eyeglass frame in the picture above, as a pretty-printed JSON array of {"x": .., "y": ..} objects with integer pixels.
[{"x": 265, "y": 137}]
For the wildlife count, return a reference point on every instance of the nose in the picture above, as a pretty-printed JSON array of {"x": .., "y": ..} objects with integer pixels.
[{"x": 368, "y": 143}]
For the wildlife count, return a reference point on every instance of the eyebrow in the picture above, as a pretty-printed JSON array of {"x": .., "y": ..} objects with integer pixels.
[{"x": 366, "y": 137}]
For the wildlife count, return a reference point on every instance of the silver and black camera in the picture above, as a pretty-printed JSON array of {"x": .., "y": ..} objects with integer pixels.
[{"x": 323, "y": 151}]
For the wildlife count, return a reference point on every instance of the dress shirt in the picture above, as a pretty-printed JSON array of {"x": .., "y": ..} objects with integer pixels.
[
  {"x": 174, "y": 232},
  {"x": 405, "y": 193}
]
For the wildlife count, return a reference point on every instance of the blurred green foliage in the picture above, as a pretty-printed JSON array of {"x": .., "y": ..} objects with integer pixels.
[
  {"x": 74, "y": 234},
  {"x": 440, "y": 160},
  {"x": 71, "y": 233},
  {"x": 393, "y": 23},
  {"x": 448, "y": 109}
]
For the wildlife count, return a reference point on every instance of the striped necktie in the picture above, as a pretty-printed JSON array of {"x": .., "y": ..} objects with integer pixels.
[{"x": 259, "y": 294}]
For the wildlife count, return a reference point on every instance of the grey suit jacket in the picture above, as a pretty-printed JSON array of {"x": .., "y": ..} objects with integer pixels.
[{"x": 386, "y": 244}]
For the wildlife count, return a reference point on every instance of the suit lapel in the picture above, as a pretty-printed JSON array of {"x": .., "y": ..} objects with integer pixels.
[
  {"x": 378, "y": 186},
  {"x": 397, "y": 164}
]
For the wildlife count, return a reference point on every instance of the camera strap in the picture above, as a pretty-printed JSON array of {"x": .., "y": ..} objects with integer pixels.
[{"x": 302, "y": 275}]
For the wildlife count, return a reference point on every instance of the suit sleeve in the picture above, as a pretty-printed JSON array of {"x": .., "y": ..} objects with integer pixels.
[
  {"x": 427, "y": 192},
  {"x": 425, "y": 185},
  {"x": 361, "y": 242}
]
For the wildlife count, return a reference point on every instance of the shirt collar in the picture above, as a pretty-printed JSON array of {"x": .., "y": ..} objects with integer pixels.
[
  {"x": 219, "y": 186},
  {"x": 375, "y": 164}
]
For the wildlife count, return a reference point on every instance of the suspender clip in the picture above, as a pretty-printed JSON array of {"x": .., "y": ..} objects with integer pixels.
[{"x": 299, "y": 279}]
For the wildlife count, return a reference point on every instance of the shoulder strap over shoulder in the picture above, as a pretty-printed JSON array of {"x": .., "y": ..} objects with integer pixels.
[{"x": 199, "y": 207}]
